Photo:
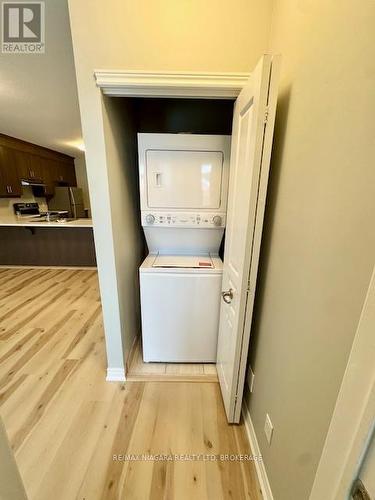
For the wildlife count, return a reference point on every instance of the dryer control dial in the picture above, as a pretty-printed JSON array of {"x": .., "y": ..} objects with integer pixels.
[
  {"x": 217, "y": 220},
  {"x": 150, "y": 219}
]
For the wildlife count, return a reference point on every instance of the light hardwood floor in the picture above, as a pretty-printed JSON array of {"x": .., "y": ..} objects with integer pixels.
[
  {"x": 66, "y": 423},
  {"x": 168, "y": 372}
]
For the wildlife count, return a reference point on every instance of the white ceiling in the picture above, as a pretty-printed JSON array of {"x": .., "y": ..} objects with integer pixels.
[{"x": 38, "y": 93}]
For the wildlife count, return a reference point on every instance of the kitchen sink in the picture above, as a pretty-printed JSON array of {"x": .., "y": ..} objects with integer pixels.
[{"x": 43, "y": 219}]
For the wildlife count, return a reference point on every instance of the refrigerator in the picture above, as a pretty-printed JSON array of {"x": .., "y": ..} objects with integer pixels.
[{"x": 69, "y": 199}]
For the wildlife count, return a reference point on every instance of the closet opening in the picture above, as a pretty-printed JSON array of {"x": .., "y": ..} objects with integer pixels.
[{"x": 126, "y": 118}]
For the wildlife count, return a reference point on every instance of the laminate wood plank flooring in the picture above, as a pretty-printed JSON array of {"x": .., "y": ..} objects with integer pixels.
[
  {"x": 139, "y": 371},
  {"x": 76, "y": 436}
]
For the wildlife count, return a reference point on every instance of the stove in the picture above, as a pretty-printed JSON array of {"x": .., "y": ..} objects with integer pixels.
[{"x": 26, "y": 209}]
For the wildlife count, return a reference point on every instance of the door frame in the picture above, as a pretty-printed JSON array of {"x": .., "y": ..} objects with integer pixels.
[
  {"x": 352, "y": 421},
  {"x": 159, "y": 84},
  {"x": 177, "y": 84}
]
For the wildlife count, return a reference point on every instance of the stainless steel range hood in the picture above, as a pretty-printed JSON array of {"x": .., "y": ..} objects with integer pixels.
[{"x": 32, "y": 182}]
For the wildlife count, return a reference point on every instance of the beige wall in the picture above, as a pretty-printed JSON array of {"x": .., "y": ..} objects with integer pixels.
[
  {"x": 319, "y": 242},
  {"x": 81, "y": 175},
  {"x": 170, "y": 35},
  {"x": 122, "y": 167},
  {"x": 148, "y": 35}
]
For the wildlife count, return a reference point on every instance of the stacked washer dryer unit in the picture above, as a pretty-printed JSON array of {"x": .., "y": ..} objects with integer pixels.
[{"x": 183, "y": 190}]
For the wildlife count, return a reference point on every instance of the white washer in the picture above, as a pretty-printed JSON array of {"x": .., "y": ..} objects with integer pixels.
[
  {"x": 180, "y": 298},
  {"x": 183, "y": 194}
]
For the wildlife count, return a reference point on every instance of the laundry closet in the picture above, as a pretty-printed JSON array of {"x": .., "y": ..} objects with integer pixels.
[{"x": 181, "y": 162}]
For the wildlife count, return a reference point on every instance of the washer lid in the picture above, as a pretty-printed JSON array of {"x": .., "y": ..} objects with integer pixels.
[{"x": 185, "y": 261}]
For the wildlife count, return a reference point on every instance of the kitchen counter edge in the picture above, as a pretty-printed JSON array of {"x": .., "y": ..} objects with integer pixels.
[{"x": 15, "y": 222}]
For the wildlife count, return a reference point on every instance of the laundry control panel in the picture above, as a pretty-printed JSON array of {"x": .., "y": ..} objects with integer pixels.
[{"x": 185, "y": 219}]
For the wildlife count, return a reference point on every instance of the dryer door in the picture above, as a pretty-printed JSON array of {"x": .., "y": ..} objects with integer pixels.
[{"x": 184, "y": 179}]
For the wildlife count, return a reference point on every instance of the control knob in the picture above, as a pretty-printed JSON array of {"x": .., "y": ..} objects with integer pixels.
[
  {"x": 150, "y": 219},
  {"x": 217, "y": 220}
]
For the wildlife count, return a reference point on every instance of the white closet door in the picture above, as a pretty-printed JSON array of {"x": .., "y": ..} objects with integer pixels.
[{"x": 253, "y": 123}]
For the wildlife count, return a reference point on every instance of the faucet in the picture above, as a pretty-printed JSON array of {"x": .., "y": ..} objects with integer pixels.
[{"x": 50, "y": 216}]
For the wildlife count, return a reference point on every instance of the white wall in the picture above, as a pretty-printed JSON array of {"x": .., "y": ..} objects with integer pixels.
[
  {"x": 318, "y": 247},
  {"x": 148, "y": 35}
]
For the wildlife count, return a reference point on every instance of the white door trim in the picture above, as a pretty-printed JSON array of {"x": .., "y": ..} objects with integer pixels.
[
  {"x": 353, "y": 417},
  {"x": 170, "y": 84}
]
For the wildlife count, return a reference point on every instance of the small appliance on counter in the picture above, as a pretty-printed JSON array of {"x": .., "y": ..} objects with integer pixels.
[
  {"x": 31, "y": 211},
  {"x": 69, "y": 200},
  {"x": 26, "y": 209}
]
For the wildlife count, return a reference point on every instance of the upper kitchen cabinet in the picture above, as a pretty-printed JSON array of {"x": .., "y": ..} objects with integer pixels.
[
  {"x": 35, "y": 167},
  {"x": 20, "y": 160},
  {"x": 28, "y": 166},
  {"x": 66, "y": 174},
  {"x": 10, "y": 185},
  {"x": 57, "y": 173},
  {"x": 49, "y": 175}
]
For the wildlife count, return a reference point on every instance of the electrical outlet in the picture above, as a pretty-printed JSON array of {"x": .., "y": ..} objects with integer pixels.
[
  {"x": 250, "y": 379},
  {"x": 268, "y": 429}
]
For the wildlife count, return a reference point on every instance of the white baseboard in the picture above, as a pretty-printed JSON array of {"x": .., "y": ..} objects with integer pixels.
[
  {"x": 115, "y": 375},
  {"x": 259, "y": 464}
]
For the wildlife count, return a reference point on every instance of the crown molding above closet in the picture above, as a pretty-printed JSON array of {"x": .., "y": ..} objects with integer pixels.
[{"x": 171, "y": 84}]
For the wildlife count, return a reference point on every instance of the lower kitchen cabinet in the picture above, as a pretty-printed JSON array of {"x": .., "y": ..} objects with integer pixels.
[{"x": 29, "y": 246}]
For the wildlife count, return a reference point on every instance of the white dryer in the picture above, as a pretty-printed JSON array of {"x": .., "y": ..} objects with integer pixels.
[{"x": 183, "y": 189}]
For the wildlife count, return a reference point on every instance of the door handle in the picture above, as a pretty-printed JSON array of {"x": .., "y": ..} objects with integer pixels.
[{"x": 227, "y": 296}]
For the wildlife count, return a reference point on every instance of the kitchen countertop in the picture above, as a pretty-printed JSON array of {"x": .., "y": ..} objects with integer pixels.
[{"x": 6, "y": 221}]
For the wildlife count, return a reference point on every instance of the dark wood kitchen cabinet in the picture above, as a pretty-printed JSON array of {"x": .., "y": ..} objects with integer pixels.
[
  {"x": 57, "y": 173},
  {"x": 35, "y": 167},
  {"x": 47, "y": 246},
  {"x": 28, "y": 166},
  {"x": 10, "y": 185},
  {"x": 49, "y": 176},
  {"x": 65, "y": 174},
  {"x": 23, "y": 164},
  {"x": 23, "y": 160}
]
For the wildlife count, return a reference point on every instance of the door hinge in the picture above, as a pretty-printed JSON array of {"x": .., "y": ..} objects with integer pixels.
[
  {"x": 266, "y": 112},
  {"x": 248, "y": 286}
]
